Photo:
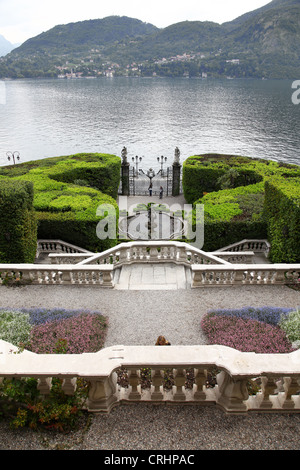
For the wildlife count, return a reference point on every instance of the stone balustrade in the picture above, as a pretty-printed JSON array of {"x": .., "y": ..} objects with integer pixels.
[
  {"x": 236, "y": 257},
  {"x": 192, "y": 257},
  {"x": 207, "y": 269},
  {"x": 274, "y": 377},
  {"x": 58, "y": 246},
  {"x": 243, "y": 274},
  {"x": 258, "y": 246},
  {"x": 70, "y": 274},
  {"x": 153, "y": 252}
]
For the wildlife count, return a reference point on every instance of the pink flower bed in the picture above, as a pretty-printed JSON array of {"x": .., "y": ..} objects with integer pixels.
[
  {"x": 75, "y": 335},
  {"x": 245, "y": 335}
]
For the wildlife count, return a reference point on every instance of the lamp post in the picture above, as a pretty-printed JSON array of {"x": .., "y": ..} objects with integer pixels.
[
  {"x": 13, "y": 156},
  {"x": 137, "y": 159},
  {"x": 162, "y": 159}
]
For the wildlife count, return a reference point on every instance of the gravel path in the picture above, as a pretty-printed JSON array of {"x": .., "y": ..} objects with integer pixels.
[{"x": 138, "y": 317}]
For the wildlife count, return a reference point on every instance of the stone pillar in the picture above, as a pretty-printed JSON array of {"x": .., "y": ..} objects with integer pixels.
[
  {"x": 232, "y": 393},
  {"x": 101, "y": 395},
  {"x": 125, "y": 173},
  {"x": 176, "y": 174}
]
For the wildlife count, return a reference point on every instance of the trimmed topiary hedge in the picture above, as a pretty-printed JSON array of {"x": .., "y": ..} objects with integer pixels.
[
  {"x": 67, "y": 193},
  {"x": 18, "y": 234},
  {"x": 282, "y": 206},
  {"x": 203, "y": 173},
  {"x": 253, "y": 211},
  {"x": 232, "y": 215}
]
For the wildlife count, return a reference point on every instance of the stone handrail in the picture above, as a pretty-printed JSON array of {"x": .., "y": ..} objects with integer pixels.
[
  {"x": 258, "y": 246},
  {"x": 275, "y": 375},
  {"x": 69, "y": 258},
  {"x": 235, "y": 256},
  {"x": 50, "y": 274},
  {"x": 54, "y": 246},
  {"x": 232, "y": 257},
  {"x": 153, "y": 251},
  {"x": 244, "y": 274}
]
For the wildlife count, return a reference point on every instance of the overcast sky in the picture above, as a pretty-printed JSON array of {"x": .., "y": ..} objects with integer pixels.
[{"x": 23, "y": 19}]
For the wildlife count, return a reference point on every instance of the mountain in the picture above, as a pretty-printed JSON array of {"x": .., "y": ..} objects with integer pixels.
[
  {"x": 270, "y": 29},
  {"x": 84, "y": 34},
  {"x": 5, "y": 46},
  {"x": 261, "y": 43}
]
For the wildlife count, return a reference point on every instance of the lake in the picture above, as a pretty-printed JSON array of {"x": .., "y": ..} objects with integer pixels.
[{"x": 47, "y": 118}]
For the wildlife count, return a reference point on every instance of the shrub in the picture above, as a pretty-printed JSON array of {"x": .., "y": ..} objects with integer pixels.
[
  {"x": 262, "y": 202},
  {"x": 65, "y": 209},
  {"x": 25, "y": 406},
  {"x": 282, "y": 207},
  {"x": 18, "y": 237},
  {"x": 207, "y": 173},
  {"x": 291, "y": 325},
  {"x": 15, "y": 327},
  {"x": 232, "y": 215}
]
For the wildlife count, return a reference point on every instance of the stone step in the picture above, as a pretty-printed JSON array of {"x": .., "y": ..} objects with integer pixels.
[{"x": 152, "y": 276}]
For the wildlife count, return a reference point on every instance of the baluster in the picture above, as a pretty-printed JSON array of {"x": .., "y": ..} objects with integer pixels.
[
  {"x": 291, "y": 387},
  {"x": 268, "y": 387},
  {"x": 168, "y": 252},
  {"x": 156, "y": 395},
  {"x": 179, "y": 382},
  {"x": 200, "y": 380},
  {"x": 134, "y": 382},
  {"x": 69, "y": 385},
  {"x": 87, "y": 277},
  {"x": 43, "y": 277},
  {"x": 44, "y": 385}
]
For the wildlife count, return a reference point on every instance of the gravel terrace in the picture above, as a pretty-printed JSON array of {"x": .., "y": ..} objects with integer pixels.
[{"x": 137, "y": 318}]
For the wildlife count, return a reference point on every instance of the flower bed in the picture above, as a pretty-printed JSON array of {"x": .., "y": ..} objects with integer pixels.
[
  {"x": 48, "y": 331},
  {"x": 250, "y": 329}
]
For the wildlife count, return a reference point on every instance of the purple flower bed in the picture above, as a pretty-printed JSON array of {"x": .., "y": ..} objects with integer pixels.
[
  {"x": 66, "y": 331},
  {"x": 43, "y": 315},
  {"x": 270, "y": 315},
  {"x": 241, "y": 330}
]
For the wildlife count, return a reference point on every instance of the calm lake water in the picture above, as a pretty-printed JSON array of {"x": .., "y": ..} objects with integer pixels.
[{"x": 47, "y": 118}]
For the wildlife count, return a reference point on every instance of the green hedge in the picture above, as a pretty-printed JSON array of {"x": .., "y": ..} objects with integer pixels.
[
  {"x": 18, "y": 235},
  {"x": 245, "y": 210},
  {"x": 232, "y": 215},
  {"x": 202, "y": 173},
  {"x": 68, "y": 191},
  {"x": 282, "y": 207}
]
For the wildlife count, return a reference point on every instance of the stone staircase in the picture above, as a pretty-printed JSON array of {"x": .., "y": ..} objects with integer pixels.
[
  {"x": 153, "y": 277},
  {"x": 152, "y": 265}
]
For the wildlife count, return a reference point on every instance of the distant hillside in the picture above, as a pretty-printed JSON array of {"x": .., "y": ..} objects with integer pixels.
[
  {"x": 274, "y": 28},
  {"x": 84, "y": 34},
  {"x": 261, "y": 43},
  {"x": 5, "y": 46}
]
